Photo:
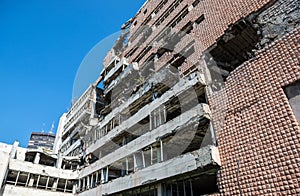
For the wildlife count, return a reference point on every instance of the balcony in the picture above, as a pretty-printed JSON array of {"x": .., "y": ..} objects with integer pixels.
[
  {"x": 199, "y": 163},
  {"x": 115, "y": 71},
  {"x": 84, "y": 107}
]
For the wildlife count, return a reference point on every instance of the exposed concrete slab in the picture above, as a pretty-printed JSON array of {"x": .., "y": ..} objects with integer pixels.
[
  {"x": 72, "y": 147},
  {"x": 127, "y": 71},
  {"x": 6, "y": 153},
  {"x": 179, "y": 88},
  {"x": 10, "y": 190},
  {"x": 116, "y": 68},
  {"x": 29, "y": 167},
  {"x": 158, "y": 79},
  {"x": 3, "y": 165},
  {"x": 197, "y": 112},
  {"x": 189, "y": 162}
]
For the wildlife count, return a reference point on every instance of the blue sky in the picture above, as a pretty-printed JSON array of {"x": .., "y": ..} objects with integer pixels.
[{"x": 42, "y": 45}]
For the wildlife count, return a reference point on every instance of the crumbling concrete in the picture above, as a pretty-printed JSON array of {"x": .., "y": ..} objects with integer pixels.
[
  {"x": 179, "y": 88},
  {"x": 11, "y": 190},
  {"x": 195, "y": 114},
  {"x": 190, "y": 162}
]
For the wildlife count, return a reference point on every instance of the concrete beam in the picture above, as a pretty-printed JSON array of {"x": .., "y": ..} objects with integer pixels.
[
  {"x": 179, "y": 88},
  {"x": 10, "y": 190},
  {"x": 29, "y": 167},
  {"x": 7, "y": 152},
  {"x": 72, "y": 147},
  {"x": 188, "y": 163},
  {"x": 114, "y": 69},
  {"x": 147, "y": 139},
  {"x": 156, "y": 79}
]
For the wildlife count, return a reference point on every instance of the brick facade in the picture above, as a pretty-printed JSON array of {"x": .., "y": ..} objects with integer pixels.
[
  {"x": 256, "y": 124},
  {"x": 257, "y": 133}
]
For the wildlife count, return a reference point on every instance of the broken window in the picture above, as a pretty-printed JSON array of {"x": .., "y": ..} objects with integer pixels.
[
  {"x": 235, "y": 47},
  {"x": 144, "y": 191},
  {"x": 292, "y": 92},
  {"x": 200, "y": 185}
]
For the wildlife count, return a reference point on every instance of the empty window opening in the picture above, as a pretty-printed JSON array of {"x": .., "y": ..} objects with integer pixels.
[
  {"x": 143, "y": 191},
  {"x": 200, "y": 19},
  {"x": 173, "y": 108},
  {"x": 114, "y": 172},
  {"x": 195, "y": 3},
  {"x": 200, "y": 185},
  {"x": 235, "y": 46},
  {"x": 292, "y": 92}
]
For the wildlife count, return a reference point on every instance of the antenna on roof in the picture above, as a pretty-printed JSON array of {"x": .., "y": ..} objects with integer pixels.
[{"x": 52, "y": 128}]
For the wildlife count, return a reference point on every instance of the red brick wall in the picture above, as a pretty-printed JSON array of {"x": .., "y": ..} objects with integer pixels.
[
  {"x": 259, "y": 127},
  {"x": 218, "y": 15}
]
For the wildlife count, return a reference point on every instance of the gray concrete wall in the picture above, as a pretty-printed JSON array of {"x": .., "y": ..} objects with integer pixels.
[
  {"x": 181, "y": 165},
  {"x": 10, "y": 190}
]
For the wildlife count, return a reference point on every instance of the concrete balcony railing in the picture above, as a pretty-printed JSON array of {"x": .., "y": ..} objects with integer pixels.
[
  {"x": 197, "y": 161},
  {"x": 116, "y": 70},
  {"x": 37, "y": 169},
  {"x": 197, "y": 113},
  {"x": 83, "y": 107},
  {"x": 176, "y": 90}
]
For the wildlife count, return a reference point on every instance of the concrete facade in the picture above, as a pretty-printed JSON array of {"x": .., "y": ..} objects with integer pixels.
[
  {"x": 198, "y": 98},
  {"x": 41, "y": 140}
]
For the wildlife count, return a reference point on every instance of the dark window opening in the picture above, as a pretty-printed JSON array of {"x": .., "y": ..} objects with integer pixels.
[
  {"x": 201, "y": 185},
  {"x": 292, "y": 92},
  {"x": 143, "y": 191},
  {"x": 235, "y": 47},
  {"x": 200, "y": 19},
  {"x": 114, "y": 173},
  {"x": 195, "y": 3},
  {"x": 173, "y": 108}
]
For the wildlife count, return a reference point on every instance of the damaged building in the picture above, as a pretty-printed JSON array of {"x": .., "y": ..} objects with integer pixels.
[{"x": 195, "y": 98}]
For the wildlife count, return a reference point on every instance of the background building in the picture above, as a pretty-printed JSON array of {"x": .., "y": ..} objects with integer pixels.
[{"x": 41, "y": 140}]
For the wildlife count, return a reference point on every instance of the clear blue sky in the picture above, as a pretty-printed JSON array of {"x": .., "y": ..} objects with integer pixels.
[{"x": 42, "y": 44}]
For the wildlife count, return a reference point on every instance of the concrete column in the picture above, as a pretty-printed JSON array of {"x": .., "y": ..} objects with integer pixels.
[
  {"x": 79, "y": 185},
  {"x": 27, "y": 181},
  {"x": 47, "y": 182},
  {"x": 159, "y": 116},
  {"x": 150, "y": 123},
  {"x": 37, "y": 158},
  {"x": 143, "y": 157},
  {"x": 66, "y": 183},
  {"x": 4, "y": 160},
  {"x": 102, "y": 176},
  {"x": 17, "y": 178},
  {"x": 83, "y": 184},
  {"x": 161, "y": 151},
  {"x": 127, "y": 165},
  {"x": 151, "y": 155},
  {"x": 55, "y": 183},
  {"x": 165, "y": 114},
  {"x": 88, "y": 182},
  {"x": 38, "y": 180},
  {"x": 14, "y": 149},
  {"x": 31, "y": 181},
  {"x": 135, "y": 165},
  {"x": 59, "y": 161},
  {"x": 92, "y": 181},
  {"x": 106, "y": 179},
  {"x": 159, "y": 190},
  {"x": 97, "y": 176},
  {"x": 74, "y": 189}
]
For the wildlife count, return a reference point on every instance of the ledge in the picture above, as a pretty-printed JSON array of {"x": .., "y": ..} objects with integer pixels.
[
  {"x": 196, "y": 161},
  {"x": 29, "y": 167}
]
